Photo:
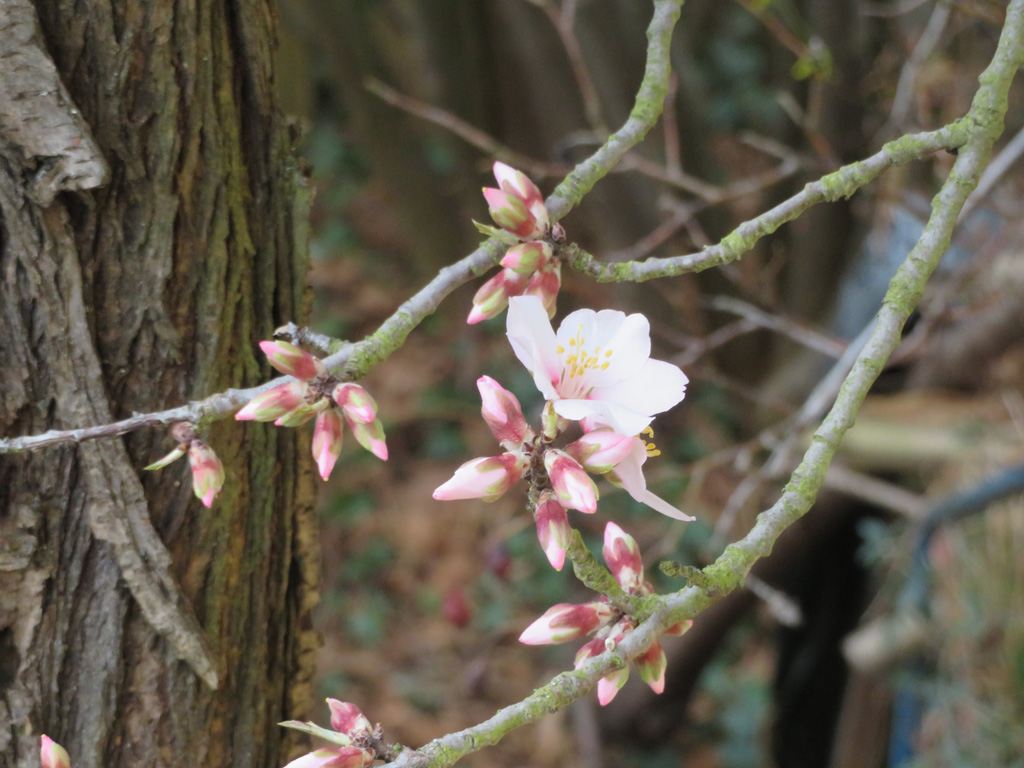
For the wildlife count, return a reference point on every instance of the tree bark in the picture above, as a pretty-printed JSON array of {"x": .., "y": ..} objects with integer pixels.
[{"x": 152, "y": 231}]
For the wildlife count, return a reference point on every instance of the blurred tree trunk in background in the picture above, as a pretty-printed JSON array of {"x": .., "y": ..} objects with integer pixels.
[{"x": 133, "y": 293}]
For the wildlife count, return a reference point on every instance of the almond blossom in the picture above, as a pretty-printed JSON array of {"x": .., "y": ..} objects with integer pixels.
[
  {"x": 316, "y": 392},
  {"x": 597, "y": 366},
  {"x": 564, "y": 622}
]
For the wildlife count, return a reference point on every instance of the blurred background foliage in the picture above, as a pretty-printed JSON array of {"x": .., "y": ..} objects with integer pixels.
[{"x": 422, "y": 601}]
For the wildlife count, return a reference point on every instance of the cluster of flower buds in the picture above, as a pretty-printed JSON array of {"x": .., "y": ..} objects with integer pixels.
[
  {"x": 565, "y": 622},
  {"x": 52, "y": 754},
  {"x": 207, "y": 469},
  {"x": 316, "y": 393},
  {"x": 529, "y": 266},
  {"x": 357, "y": 740},
  {"x": 566, "y": 469}
]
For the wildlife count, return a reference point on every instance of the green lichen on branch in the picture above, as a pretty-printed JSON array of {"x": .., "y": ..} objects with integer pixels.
[
  {"x": 647, "y": 108},
  {"x": 834, "y": 186}
]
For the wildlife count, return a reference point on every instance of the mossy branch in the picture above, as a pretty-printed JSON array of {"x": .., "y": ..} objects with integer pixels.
[{"x": 834, "y": 186}]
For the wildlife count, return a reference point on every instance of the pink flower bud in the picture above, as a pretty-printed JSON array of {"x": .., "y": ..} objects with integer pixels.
[
  {"x": 544, "y": 284},
  {"x": 601, "y": 450},
  {"x": 348, "y": 719},
  {"x": 518, "y": 205},
  {"x": 503, "y": 414},
  {"x": 552, "y": 528},
  {"x": 207, "y": 472},
  {"x": 573, "y": 486},
  {"x": 484, "y": 478},
  {"x": 527, "y": 258},
  {"x": 274, "y": 403},
  {"x": 52, "y": 754},
  {"x": 370, "y": 436},
  {"x": 517, "y": 183},
  {"x": 651, "y": 665},
  {"x": 289, "y": 359},
  {"x": 493, "y": 296},
  {"x": 356, "y": 402},
  {"x": 622, "y": 555},
  {"x": 509, "y": 212},
  {"x": 564, "y": 622},
  {"x": 327, "y": 441}
]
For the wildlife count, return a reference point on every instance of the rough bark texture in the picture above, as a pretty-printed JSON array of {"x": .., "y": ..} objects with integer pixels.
[{"x": 152, "y": 219}]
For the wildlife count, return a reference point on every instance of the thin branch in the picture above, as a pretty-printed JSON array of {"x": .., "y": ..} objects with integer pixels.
[
  {"x": 834, "y": 186},
  {"x": 798, "y": 332},
  {"x": 465, "y": 131},
  {"x": 564, "y": 23},
  {"x": 875, "y": 491},
  {"x": 1000, "y": 164}
]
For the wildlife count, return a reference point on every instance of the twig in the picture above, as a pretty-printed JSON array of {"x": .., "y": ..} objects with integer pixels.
[
  {"x": 1002, "y": 162},
  {"x": 798, "y": 332},
  {"x": 564, "y": 23},
  {"x": 465, "y": 131},
  {"x": 908, "y": 76},
  {"x": 839, "y": 184},
  {"x": 362, "y": 356},
  {"x": 875, "y": 491}
]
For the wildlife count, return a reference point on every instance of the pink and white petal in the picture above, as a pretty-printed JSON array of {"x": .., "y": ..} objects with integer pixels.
[
  {"x": 533, "y": 341},
  {"x": 618, "y": 417},
  {"x": 629, "y": 473},
  {"x": 658, "y": 504},
  {"x": 629, "y": 338},
  {"x": 609, "y": 686}
]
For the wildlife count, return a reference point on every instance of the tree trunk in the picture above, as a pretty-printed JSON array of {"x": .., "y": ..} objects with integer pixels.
[{"x": 131, "y": 285}]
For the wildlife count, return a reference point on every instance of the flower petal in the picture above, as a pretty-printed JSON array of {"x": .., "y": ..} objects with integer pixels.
[
  {"x": 534, "y": 342},
  {"x": 656, "y": 385}
]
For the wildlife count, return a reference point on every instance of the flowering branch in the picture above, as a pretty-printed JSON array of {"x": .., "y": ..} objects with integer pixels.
[{"x": 981, "y": 127}]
